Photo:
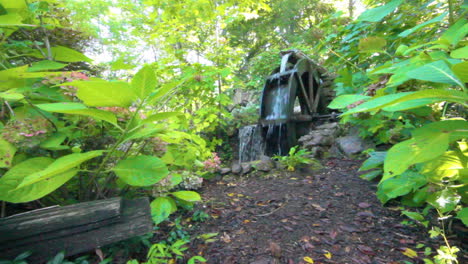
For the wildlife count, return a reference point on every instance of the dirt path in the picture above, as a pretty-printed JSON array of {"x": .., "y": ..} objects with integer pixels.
[{"x": 330, "y": 216}]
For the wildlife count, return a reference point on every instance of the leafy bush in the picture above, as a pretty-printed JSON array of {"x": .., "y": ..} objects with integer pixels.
[{"x": 297, "y": 157}]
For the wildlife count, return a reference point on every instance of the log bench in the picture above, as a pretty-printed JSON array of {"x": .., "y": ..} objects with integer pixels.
[{"x": 73, "y": 229}]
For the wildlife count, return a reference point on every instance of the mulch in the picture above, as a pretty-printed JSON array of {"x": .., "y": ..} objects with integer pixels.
[{"x": 326, "y": 216}]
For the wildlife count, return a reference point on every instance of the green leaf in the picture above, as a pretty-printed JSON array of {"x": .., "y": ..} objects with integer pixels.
[
  {"x": 188, "y": 196},
  {"x": 144, "y": 82},
  {"x": 400, "y": 185},
  {"x": 60, "y": 53},
  {"x": 461, "y": 70},
  {"x": 375, "y": 160},
  {"x": 378, "y": 13},
  {"x": 426, "y": 97},
  {"x": 78, "y": 109},
  {"x": 422, "y": 25},
  {"x": 371, "y": 175},
  {"x": 161, "y": 116},
  {"x": 463, "y": 216},
  {"x": 409, "y": 100},
  {"x": 343, "y": 101},
  {"x": 104, "y": 93},
  {"x": 11, "y": 19},
  {"x": 11, "y": 96},
  {"x": 445, "y": 200},
  {"x": 9, "y": 183},
  {"x": 54, "y": 142},
  {"x": 428, "y": 143},
  {"x": 438, "y": 72},
  {"x": 414, "y": 216},
  {"x": 141, "y": 170},
  {"x": 376, "y": 103},
  {"x": 371, "y": 44},
  {"x": 455, "y": 33},
  {"x": 445, "y": 167},
  {"x": 45, "y": 65},
  {"x": 461, "y": 53},
  {"x": 7, "y": 152},
  {"x": 60, "y": 165},
  {"x": 161, "y": 208}
]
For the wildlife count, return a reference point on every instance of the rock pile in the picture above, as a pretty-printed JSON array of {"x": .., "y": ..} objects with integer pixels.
[{"x": 320, "y": 139}]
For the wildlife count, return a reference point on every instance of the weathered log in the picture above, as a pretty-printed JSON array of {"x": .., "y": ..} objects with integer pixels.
[{"x": 73, "y": 229}]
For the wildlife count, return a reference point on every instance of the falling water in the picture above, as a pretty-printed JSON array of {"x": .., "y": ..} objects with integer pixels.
[{"x": 251, "y": 145}]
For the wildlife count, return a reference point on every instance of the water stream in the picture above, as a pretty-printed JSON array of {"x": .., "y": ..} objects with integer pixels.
[{"x": 251, "y": 144}]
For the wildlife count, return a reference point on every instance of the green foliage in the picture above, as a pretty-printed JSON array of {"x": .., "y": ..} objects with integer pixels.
[{"x": 297, "y": 157}]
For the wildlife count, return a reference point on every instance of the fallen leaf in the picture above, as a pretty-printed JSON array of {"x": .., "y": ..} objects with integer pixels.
[
  {"x": 328, "y": 255},
  {"x": 318, "y": 207},
  {"x": 226, "y": 238},
  {"x": 366, "y": 250},
  {"x": 333, "y": 234},
  {"x": 231, "y": 194},
  {"x": 410, "y": 253},
  {"x": 246, "y": 221},
  {"x": 308, "y": 260},
  {"x": 364, "y": 205},
  {"x": 275, "y": 249}
]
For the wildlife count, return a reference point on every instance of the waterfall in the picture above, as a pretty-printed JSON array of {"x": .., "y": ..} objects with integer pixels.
[{"x": 251, "y": 144}]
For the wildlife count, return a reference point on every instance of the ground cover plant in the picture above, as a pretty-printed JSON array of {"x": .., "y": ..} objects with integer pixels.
[{"x": 102, "y": 98}]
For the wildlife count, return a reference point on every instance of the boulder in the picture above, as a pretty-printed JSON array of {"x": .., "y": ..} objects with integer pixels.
[
  {"x": 265, "y": 164},
  {"x": 333, "y": 126},
  {"x": 236, "y": 169},
  {"x": 224, "y": 171},
  {"x": 352, "y": 145},
  {"x": 246, "y": 167}
]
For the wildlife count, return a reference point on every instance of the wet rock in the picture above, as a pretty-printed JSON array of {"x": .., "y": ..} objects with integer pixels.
[
  {"x": 265, "y": 164},
  {"x": 236, "y": 169},
  {"x": 246, "y": 167},
  {"x": 224, "y": 171},
  {"x": 333, "y": 126},
  {"x": 352, "y": 145}
]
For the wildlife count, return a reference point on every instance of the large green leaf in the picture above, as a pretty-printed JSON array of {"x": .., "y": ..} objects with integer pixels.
[
  {"x": 449, "y": 165},
  {"x": 378, "y": 13},
  {"x": 54, "y": 142},
  {"x": 45, "y": 65},
  {"x": 371, "y": 44},
  {"x": 428, "y": 143},
  {"x": 104, "y": 93},
  {"x": 461, "y": 53},
  {"x": 9, "y": 182},
  {"x": 456, "y": 32},
  {"x": 144, "y": 82},
  {"x": 375, "y": 160},
  {"x": 161, "y": 208},
  {"x": 141, "y": 170},
  {"x": 161, "y": 116},
  {"x": 188, "y": 196},
  {"x": 422, "y": 25},
  {"x": 60, "y": 53},
  {"x": 376, "y": 103},
  {"x": 438, "y": 72},
  {"x": 343, "y": 101},
  {"x": 7, "y": 152},
  {"x": 400, "y": 185},
  {"x": 10, "y": 95},
  {"x": 79, "y": 109},
  {"x": 59, "y": 166},
  {"x": 426, "y": 97},
  {"x": 463, "y": 216},
  {"x": 445, "y": 200},
  {"x": 409, "y": 100},
  {"x": 461, "y": 70}
]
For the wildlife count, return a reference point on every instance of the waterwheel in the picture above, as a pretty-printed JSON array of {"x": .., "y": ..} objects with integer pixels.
[{"x": 294, "y": 95}]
